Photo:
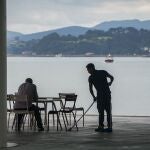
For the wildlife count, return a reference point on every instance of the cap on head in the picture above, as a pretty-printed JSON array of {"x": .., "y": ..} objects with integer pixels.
[{"x": 29, "y": 80}]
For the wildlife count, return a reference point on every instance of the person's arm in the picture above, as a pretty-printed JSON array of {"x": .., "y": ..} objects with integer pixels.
[
  {"x": 91, "y": 90},
  {"x": 35, "y": 97},
  {"x": 111, "y": 78}
]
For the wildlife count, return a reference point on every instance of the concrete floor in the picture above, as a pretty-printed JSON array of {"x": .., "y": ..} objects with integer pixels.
[{"x": 128, "y": 133}]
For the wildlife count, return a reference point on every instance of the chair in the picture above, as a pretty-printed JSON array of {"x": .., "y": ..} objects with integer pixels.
[
  {"x": 55, "y": 111},
  {"x": 25, "y": 111},
  {"x": 10, "y": 104},
  {"x": 68, "y": 108},
  {"x": 63, "y": 95}
]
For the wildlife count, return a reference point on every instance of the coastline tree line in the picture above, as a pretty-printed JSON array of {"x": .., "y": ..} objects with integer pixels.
[{"x": 117, "y": 41}]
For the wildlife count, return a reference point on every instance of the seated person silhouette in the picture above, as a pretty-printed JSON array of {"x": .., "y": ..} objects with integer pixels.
[{"x": 29, "y": 89}]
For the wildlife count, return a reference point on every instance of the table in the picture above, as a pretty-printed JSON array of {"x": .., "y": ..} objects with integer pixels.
[{"x": 45, "y": 101}]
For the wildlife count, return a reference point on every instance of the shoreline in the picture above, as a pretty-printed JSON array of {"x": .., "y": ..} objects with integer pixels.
[{"x": 146, "y": 56}]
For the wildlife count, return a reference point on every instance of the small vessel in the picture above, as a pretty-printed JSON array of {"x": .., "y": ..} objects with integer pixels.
[{"x": 109, "y": 59}]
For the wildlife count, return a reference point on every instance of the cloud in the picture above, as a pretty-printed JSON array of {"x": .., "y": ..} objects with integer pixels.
[{"x": 29, "y": 16}]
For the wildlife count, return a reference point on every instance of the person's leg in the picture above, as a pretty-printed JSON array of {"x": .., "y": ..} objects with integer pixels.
[
  {"x": 101, "y": 116},
  {"x": 19, "y": 121},
  {"x": 37, "y": 117},
  {"x": 100, "y": 108},
  {"x": 109, "y": 113}
]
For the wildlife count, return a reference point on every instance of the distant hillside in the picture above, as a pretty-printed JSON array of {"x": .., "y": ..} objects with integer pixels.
[
  {"x": 77, "y": 30},
  {"x": 11, "y": 35},
  {"x": 117, "y": 41},
  {"x": 124, "y": 23},
  {"x": 72, "y": 30}
]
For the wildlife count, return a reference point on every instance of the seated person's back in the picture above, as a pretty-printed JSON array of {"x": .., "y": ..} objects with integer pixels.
[{"x": 29, "y": 89}]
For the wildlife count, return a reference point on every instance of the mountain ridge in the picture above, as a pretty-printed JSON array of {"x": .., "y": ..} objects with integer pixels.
[
  {"x": 135, "y": 23},
  {"x": 78, "y": 30},
  {"x": 117, "y": 41}
]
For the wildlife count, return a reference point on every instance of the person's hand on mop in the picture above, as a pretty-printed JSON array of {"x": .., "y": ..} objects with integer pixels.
[{"x": 95, "y": 99}]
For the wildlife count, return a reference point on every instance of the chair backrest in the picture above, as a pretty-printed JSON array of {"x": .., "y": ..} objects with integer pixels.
[
  {"x": 70, "y": 101},
  {"x": 21, "y": 101},
  {"x": 63, "y": 95},
  {"x": 10, "y": 102},
  {"x": 41, "y": 98},
  {"x": 20, "y": 98}
]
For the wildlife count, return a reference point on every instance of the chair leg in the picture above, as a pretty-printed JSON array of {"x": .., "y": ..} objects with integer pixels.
[
  {"x": 48, "y": 123},
  {"x": 45, "y": 118},
  {"x": 24, "y": 120},
  {"x": 49, "y": 120},
  {"x": 75, "y": 114},
  {"x": 83, "y": 117},
  {"x": 70, "y": 118},
  {"x": 64, "y": 121},
  {"x": 8, "y": 120},
  {"x": 14, "y": 121},
  {"x": 58, "y": 122},
  {"x": 75, "y": 120},
  {"x": 31, "y": 120},
  {"x": 53, "y": 120}
]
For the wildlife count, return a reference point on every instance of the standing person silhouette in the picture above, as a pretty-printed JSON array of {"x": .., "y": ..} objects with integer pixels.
[{"x": 98, "y": 79}]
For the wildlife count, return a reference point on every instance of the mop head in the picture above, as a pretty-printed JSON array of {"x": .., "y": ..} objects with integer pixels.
[{"x": 69, "y": 129}]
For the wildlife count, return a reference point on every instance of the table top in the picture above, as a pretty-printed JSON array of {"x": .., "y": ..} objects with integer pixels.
[{"x": 48, "y": 99}]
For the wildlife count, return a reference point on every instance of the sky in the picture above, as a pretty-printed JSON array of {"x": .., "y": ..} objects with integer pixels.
[{"x": 30, "y": 16}]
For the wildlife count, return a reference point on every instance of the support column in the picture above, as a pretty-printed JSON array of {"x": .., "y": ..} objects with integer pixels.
[{"x": 3, "y": 75}]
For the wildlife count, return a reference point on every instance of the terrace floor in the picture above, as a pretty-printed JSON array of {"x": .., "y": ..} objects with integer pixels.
[{"x": 128, "y": 133}]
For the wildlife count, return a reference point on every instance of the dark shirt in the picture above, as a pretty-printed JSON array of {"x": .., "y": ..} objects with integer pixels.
[{"x": 99, "y": 80}]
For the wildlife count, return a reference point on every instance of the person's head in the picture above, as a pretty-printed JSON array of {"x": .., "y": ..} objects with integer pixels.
[
  {"x": 29, "y": 80},
  {"x": 90, "y": 68}
]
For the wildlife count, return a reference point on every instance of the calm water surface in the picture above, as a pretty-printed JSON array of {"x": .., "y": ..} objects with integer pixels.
[{"x": 130, "y": 90}]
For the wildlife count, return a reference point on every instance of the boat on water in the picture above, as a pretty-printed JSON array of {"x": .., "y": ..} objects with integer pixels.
[{"x": 109, "y": 59}]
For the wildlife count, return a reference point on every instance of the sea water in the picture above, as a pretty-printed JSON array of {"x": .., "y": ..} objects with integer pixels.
[{"x": 130, "y": 89}]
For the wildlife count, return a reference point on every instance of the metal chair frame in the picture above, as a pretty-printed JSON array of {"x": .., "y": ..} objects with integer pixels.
[
  {"x": 76, "y": 109},
  {"x": 26, "y": 111},
  {"x": 69, "y": 110},
  {"x": 56, "y": 112}
]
